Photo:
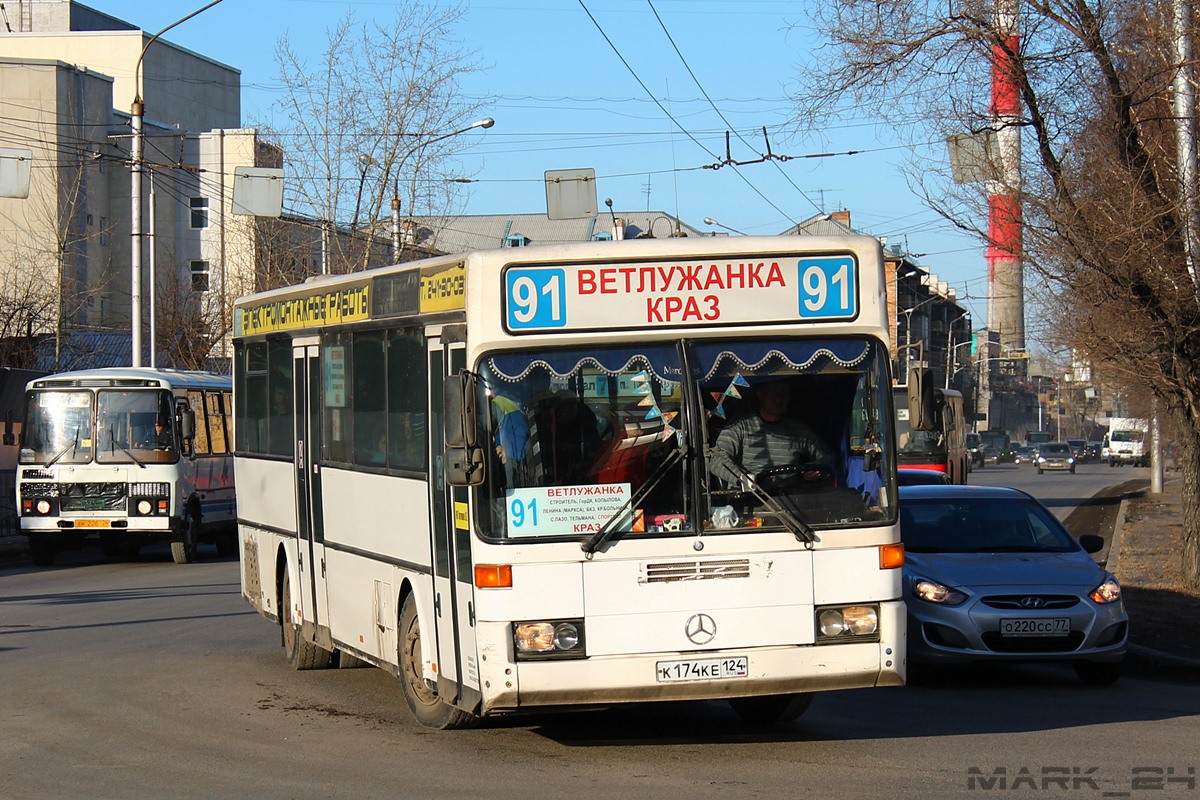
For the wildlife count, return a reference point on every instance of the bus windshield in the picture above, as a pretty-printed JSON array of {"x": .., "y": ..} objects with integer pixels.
[
  {"x": 123, "y": 426},
  {"x": 58, "y": 428},
  {"x": 134, "y": 424},
  {"x": 582, "y": 436}
]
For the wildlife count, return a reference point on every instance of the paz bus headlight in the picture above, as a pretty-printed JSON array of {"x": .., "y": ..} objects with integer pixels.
[
  {"x": 149, "y": 499},
  {"x": 549, "y": 639}
]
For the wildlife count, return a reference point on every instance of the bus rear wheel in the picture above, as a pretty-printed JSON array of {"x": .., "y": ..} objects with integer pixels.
[
  {"x": 301, "y": 654},
  {"x": 771, "y": 709},
  {"x": 422, "y": 699}
]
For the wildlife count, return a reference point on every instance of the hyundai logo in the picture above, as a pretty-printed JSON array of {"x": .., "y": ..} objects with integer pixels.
[
  {"x": 1032, "y": 602},
  {"x": 700, "y": 629}
]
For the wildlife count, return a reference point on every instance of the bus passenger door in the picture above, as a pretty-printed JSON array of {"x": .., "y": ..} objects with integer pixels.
[
  {"x": 306, "y": 378},
  {"x": 453, "y": 572}
]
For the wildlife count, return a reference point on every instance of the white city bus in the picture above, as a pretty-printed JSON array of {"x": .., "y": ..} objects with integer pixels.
[
  {"x": 128, "y": 455},
  {"x": 489, "y": 474}
]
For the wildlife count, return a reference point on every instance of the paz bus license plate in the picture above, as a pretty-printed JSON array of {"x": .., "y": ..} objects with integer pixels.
[
  {"x": 702, "y": 669},
  {"x": 91, "y": 523},
  {"x": 1046, "y": 626}
]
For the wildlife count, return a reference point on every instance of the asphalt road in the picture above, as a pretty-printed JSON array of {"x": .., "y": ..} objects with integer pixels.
[{"x": 151, "y": 679}]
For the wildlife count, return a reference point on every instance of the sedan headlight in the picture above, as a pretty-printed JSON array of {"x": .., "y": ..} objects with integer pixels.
[
  {"x": 549, "y": 639},
  {"x": 934, "y": 592},
  {"x": 1041, "y": 460},
  {"x": 1107, "y": 592}
]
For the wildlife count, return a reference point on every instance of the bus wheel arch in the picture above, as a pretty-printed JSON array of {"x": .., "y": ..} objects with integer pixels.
[
  {"x": 299, "y": 651},
  {"x": 422, "y": 699}
]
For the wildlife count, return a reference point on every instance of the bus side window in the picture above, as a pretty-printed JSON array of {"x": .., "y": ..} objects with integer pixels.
[
  {"x": 369, "y": 398},
  {"x": 200, "y": 442},
  {"x": 408, "y": 387},
  {"x": 214, "y": 416}
]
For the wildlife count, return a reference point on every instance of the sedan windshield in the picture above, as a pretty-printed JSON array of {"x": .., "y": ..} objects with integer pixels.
[{"x": 981, "y": 525}]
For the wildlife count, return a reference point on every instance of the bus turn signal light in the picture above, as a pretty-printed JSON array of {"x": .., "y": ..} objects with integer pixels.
[
  {"x": 493, "y": 576},
  {"x": 891, "y": 556}
]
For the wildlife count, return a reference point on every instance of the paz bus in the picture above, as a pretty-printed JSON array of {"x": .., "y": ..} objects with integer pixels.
[
  {"x": 488, "y": 474},
  {"x": 127, "y": 455},
  {"x": 942, "y": 447}
]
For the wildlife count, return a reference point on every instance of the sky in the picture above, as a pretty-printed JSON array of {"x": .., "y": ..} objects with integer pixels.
[{"x": 569, "y": 84}]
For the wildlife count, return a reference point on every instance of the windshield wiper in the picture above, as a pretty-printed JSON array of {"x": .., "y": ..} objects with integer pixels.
[
  {"x": 112, "y": 438},
  {"x": 609, "y": 528},
  {"x": 792, "y": 519},
  {"x": 72, "y": 447}
]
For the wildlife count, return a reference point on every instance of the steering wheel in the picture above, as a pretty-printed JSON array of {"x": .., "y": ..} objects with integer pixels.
[{"x": 793, "y": 476}]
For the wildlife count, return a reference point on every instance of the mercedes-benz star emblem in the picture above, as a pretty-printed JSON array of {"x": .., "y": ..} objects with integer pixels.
[{"x": 700, "y": 628}]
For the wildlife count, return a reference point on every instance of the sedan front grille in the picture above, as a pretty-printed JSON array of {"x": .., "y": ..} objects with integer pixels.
[
  {"x": 1030, "y": 602},
  {"x": 1032, "y": 644}
]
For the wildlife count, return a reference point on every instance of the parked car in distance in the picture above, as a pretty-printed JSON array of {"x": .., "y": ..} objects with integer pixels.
[
  {"x": 991, "y": 575},
  {"x": 910, "y": 476},
  {"x": 1055, "y": 455},
  {"x": 1078, "y": 450}
]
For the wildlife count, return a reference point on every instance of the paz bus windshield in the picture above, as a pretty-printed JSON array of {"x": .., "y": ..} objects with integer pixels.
[{"x": 110, "y": 425}]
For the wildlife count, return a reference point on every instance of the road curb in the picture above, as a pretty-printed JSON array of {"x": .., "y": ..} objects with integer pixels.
[{"x": 1135, "y": 652}]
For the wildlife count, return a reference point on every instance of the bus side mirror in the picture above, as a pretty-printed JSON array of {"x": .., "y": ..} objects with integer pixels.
[
  {"x": 459, "y": 410},
  {"x": 464, "y": 462},
  {"x": 922, "y": 409},
  {"x": 187, "y": 423}
]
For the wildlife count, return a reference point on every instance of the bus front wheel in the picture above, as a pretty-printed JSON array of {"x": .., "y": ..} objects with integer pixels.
[
  {"x": 301, "y": 654},
  {"x": 183, "y": 544},
  {"x": 771, "y": 709},
  {"x": 422, "y": 699}
]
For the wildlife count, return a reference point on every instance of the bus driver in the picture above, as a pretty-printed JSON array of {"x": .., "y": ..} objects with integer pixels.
[{"x": 769, "y": 439}]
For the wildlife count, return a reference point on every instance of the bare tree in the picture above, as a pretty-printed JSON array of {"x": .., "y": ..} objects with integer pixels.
[
  {"x": 1102, "y": 220},
  {"x": 356, "y": 120}
]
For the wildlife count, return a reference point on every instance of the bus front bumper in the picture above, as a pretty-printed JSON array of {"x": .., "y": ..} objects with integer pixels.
[{"x": 605, "y": 680}]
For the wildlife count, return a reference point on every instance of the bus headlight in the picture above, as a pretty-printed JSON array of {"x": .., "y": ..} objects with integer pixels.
[
  {"x": 548, "y": 639},
  {"x": 839, "y": 623},
  {"x": 43, "y": 506},
  {"x": 150, "y": 498}
]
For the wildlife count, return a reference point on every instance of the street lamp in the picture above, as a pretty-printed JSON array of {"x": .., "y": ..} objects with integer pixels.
[
  {"x": 137, "y": 148},
  {"x": 486, "y": 122},
  {"x": 951, "y": 347},
  {"x": 711, "y": 221},
  {"x": 907, "y": 312}
]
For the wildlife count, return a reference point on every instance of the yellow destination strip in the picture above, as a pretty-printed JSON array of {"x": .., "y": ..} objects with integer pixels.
[
  {"x": 445, "y": 290},
  {"x": 327, "y": 308}
]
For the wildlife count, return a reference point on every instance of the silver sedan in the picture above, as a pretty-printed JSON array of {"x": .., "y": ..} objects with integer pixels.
[{"x": 991, "y": 575}]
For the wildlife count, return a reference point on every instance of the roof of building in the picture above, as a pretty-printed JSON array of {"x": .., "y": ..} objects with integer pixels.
[{"x": 457, "y": 234}]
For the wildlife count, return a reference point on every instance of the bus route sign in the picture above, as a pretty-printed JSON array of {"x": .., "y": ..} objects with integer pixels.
[{"x": 655, "y": 294}]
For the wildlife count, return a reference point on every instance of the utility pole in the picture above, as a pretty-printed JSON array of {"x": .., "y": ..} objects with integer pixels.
[{"x": 137, "y": 111}]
